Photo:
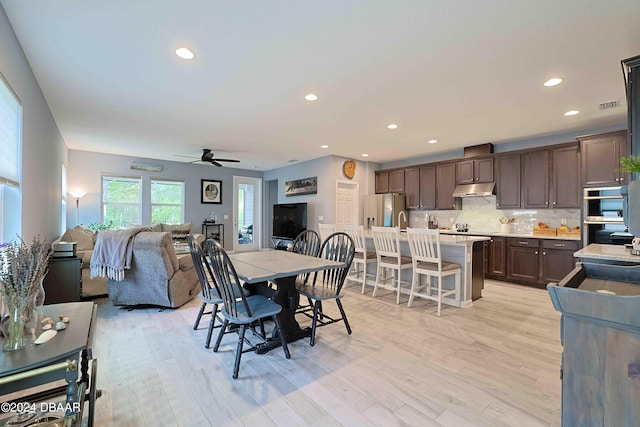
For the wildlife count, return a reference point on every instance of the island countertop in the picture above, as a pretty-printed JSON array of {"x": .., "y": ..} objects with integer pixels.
[{"x": 607, "y": 252}]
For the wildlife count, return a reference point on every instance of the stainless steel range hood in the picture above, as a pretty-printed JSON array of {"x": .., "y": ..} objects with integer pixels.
[{"x": 474, "y": 190}]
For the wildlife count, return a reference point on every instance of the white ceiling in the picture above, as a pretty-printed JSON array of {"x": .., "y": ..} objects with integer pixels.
[{"x": 464, "y": 72}]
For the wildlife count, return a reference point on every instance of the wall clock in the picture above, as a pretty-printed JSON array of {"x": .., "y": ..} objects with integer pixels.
[{"x": 349, "y": 168}]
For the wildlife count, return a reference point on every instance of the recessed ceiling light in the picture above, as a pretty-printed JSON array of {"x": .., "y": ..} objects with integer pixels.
[
  {"x": 324, "y": 146},
  {"x": 365, "y": 155},
  {"x": 572, "y": 113},
  {"x": 392, "y": 126},
  {"x": 553, "y": 82},
  {"x": 185, "y": 53},
  {"x": 432, "y": 141},
  {"x": 311, "y": 97}
]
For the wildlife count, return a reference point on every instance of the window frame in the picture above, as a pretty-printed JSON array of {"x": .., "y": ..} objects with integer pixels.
[
  {"x": 182, "y": 203},
  {"x": 103, "y": 203}
]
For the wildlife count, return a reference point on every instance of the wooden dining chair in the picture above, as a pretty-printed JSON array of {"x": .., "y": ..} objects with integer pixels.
[
  {"x": 427, "y": 260},
  {"x": 327, "y": 284},
  {"x": 306, "y": 243},
  {"x": 387, "y": 243},
  {"x": 324, "y": 230},
  {"x": 363, "y": 257},
  {"x": 240, "y": 311}
]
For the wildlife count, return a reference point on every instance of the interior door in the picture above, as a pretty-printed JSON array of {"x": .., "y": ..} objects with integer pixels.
[
  {"x": 347, "y": 206},
  {"x": 247, "y": 200}
]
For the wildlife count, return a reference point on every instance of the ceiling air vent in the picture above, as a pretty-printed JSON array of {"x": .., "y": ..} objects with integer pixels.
[{"x": 609, "y": 105}]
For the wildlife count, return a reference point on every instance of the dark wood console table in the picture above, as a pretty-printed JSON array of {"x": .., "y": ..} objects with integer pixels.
[
  {"x": 213, "y": 230},
  {"x": 63, "y": 282},
  {"x": 66, "y": 356}
]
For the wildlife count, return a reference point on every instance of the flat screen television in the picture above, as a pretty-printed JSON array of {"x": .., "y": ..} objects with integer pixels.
[{"x": 289, "y": 220}]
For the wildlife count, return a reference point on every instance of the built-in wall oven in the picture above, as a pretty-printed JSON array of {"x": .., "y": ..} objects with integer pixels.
[{"x": 602, "y": 216}]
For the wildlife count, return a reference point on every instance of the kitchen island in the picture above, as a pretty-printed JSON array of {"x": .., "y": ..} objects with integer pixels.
[
  {"x": 461, "y": 249},
  {"x": 607, "y": 254}
]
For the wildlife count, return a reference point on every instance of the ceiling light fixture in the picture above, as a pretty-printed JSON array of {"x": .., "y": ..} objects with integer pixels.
[
  {"x": 571, "y": 113},
  {"x": 392, "y": 126},
  {"x": 324, "y": 146},
  {"x": 311, "y": 97},
  {"x": 432, "y": 141},
  {"x": 553, "y": 82},
  {"x": 185, "y": 53},
  {"x": 365, "y": 155}
]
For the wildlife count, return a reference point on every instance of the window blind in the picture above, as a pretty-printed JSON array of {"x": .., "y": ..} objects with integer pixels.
[{"x": 10, "y": 135}]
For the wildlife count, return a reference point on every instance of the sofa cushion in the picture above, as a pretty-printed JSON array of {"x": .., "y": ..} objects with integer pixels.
[
  {"x": 178, "y": 232},
  {"x": 84, "y": 237},
  {"x": 156, "y": 227}
]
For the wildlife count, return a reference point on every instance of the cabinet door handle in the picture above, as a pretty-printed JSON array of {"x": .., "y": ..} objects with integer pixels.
[
  {"x": 543, "y": 253},
  {"x": 560, "y": 245},
  {"x": 536, "y": 252},
  {"x": 523, "y": 243},
  {"x": 546, "y": 203},
  {"x": 554, "y": 203}
]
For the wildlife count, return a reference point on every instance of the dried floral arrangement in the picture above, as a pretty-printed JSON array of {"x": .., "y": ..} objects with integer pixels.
[{"x": 20, "y": 266}]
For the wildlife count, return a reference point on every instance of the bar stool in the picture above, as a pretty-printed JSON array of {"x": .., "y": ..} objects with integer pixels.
[
  {"x": 324, "y": 230},
  {"x": 387, "y": 243},
  {"x": 427, "y": 260},
  {"x": 362, "y": 257}
]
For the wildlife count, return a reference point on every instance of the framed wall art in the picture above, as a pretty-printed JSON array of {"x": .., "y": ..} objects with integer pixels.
[
  {"x": 211, "y": 191},
  {"x": 301, "y": 186}
]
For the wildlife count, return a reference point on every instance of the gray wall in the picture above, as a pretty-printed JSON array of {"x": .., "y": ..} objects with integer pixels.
[
  {"x": 86, "y": 169},
  {"x": 43, "y": 150}
]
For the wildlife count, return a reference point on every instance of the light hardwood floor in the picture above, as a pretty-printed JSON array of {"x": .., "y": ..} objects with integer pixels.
[{"x": 496, "y": 363}]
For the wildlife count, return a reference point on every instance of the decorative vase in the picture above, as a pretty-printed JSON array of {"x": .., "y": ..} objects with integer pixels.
[
  {"x": 39, "y": 298},
  {"x": 13, "y": 329}
]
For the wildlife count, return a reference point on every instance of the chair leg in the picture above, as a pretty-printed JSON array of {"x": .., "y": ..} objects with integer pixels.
[
  {"x": 439, "y": 294},
  {"x": 314, "y": 323},
  {"x": 364, "y": 276},
  {"x": 236, "y": 366},
  {"x": 283, "y": 340},
  {"x": 398, "y": 286},
  {"x": 195, "y": 325},
  {"x": 225, "y": 324},
  {"x": 344, "y": 316},
  {"x": 211, "y": 325},
  {"x": 375, "y": 285},
  {"x": 414, "y": 277}
]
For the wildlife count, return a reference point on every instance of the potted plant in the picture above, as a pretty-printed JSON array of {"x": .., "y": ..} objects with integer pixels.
[{"x": 630, "y": 164}]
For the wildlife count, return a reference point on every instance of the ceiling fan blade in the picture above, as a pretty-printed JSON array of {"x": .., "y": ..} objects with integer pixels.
[
  {"x": 227, "y": 160},
  {"x": 213, "y": 162}
]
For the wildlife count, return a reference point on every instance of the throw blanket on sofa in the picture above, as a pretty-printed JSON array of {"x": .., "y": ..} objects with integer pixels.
[{"x": 112, "y": 252}]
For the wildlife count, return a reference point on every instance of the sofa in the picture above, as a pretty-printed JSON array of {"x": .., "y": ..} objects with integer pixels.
[
  {"x": 157, "y": 275},
  {"x": 85, "y": 240}
]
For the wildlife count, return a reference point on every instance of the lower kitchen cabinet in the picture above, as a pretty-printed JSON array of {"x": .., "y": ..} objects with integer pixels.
[
  {"x": 557, "y": 259},
  {"x": 539, "y": 261},
  {"x": 496, "y": 257}
]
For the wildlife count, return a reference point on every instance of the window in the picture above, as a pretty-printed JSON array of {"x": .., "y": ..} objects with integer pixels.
[
  {"x": 121, "y": 201},
  {"x": 167, "y": 202},
  {"x": 10, "y": 147}
]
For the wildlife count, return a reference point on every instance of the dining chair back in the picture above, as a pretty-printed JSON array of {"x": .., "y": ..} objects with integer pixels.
[
  {"x": 362, "y": 256},
  {"x": 387, "y": 243},
  {"x": 327, "y": 284},
  {"x": 238, "y": 309},
  {"x": 324, "y": 230},
  {"x": 307, "y": 243},
  {"x": 427, "y": 260},
  {"x": 209, "y": 293}
]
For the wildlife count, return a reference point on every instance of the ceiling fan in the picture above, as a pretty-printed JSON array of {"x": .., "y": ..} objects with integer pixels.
[{"x": 208, "y": 156}]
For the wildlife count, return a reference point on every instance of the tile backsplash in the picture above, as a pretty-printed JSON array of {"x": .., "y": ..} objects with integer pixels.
[{"x": 481, "y": 214}]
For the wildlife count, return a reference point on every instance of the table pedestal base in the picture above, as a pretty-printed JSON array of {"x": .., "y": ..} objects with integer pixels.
[{"x": 274, "y": 342}]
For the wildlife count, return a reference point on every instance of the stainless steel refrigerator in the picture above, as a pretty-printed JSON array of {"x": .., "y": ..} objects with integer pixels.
[{"x": 383, "y": 210}]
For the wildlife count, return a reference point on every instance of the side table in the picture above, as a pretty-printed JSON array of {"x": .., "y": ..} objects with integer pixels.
[
  {"x": 63, "y": 282},
  {"x": 213, "y": 230},
  {"x": 66, "y": 356}
]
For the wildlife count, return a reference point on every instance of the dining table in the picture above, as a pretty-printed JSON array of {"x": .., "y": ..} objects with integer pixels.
[{"x": 258, "y": 268}]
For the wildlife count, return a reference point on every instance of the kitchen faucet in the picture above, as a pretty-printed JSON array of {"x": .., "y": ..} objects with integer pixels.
[{"x": 401, "y": 213}]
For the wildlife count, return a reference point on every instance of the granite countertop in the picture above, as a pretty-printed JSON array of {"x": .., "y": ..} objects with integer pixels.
[
  {"x": 498, "y": 234},
  {"x": 607, "y": 252}
]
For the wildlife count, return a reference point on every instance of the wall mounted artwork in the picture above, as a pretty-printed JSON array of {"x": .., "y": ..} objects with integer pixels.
[{"x": 301, "y": 186}]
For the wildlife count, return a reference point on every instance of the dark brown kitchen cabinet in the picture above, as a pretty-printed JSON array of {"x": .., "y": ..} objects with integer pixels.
[
  {"x": 551, "y": 177},
  {"x": 508, "y": 181},
  {"x": 474, "y": 171},
  {"x": 565, "y": 177},
  {"x": 420, "y": 187},
  {"x": 390, "y": 181},
  {"x": 445, "y": 184},
  {"x": 496, "y": 258},
  {"x": 557, "y": 259},
  {"x": 601, "y": 158},
  {"x": 522, "y": 260}
]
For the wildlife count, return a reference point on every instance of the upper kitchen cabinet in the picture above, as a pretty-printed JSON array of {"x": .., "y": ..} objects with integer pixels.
[
  {"x": 445, "y": 184},
  {"x": 508, "y": 181},
  {"x": 551, "y": 177},
  {"x": 390, "y": 181},
  {"x": 420, "y": 187},
  {"x": 475, "y": 171},
  {"x": 601, "y": 158}
]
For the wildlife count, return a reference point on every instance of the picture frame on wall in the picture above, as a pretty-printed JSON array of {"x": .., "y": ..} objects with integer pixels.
[{"x": 211, "y": 191}]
